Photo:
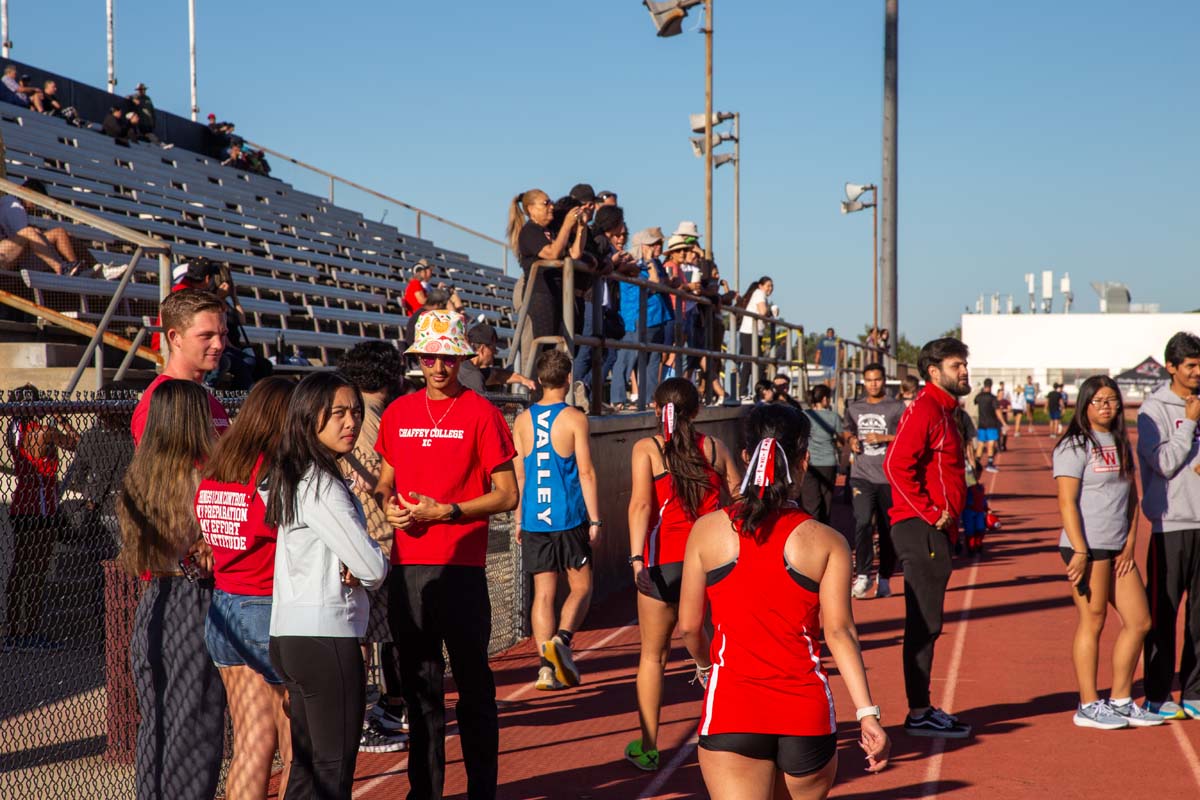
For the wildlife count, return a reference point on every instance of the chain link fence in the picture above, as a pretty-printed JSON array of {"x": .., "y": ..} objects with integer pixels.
[{"x": 68, "y": 713}]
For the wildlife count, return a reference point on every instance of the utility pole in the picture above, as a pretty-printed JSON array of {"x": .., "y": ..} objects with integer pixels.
[
  {"x": 737, "y": 184},
  {"x": 192, "y": 55},
  {"x": 5, "y": 44},
  {"x": 708, "y": 124},
  {"x": 112, "y": 56},
  {"x": 888, "y": 196}
]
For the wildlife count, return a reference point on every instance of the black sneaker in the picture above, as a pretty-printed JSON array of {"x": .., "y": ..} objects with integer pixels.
[
  {"x": 391, "y": 720},
  {"x": 937, "y": 724},
  {"x": 375, "y": 739}
]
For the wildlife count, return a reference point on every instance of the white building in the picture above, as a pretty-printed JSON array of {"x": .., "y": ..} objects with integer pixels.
[{"x": 1066, "y": 347}]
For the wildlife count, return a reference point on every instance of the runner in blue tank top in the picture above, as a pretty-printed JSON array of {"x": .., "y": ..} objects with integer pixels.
[{"x": 559, "y": 516}]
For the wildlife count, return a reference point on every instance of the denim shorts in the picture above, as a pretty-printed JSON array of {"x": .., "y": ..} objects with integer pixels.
[{"x": 237, "y": 632}]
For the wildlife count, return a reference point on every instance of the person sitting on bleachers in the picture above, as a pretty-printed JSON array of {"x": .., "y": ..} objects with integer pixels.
[
  {"x": 53, "y": 107},
  {"x": 237, "y": 159},
  {"x": 117, "y": 125},
  {"x": 480, "y": 373},
  {"x": 53, "y": 248},
  {"x": 417, "y": 288},
  {"x": 18, "y": 91},
  {"x": 139, "y": 103}
]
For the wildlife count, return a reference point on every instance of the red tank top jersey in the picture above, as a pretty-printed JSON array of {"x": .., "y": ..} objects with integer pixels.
[
  {"x": 669, "y": 529},
  {"x": 36, "y": 492},
  {"x": 766, "y": 648},
  {"x": 232, "y": 519}
]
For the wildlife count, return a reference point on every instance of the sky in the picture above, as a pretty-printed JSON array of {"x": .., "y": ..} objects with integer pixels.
[{"x": 1032, "y": 135}]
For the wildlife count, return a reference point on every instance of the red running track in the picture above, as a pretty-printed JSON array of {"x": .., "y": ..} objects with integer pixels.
[{"x": 1003, "y": 662}]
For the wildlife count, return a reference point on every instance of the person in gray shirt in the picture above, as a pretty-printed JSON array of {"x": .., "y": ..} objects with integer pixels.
[
  {"x": 816, "y": 491},
  {"x": 1169, "y": 457},
  {"x": 1093, "y": 468},
  {"x": 870, "y": 424}
]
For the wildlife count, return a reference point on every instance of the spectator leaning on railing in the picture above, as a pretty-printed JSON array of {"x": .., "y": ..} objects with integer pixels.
[
  {"x": 756, "y": 302},
  {"x": 647, "y": 246}
]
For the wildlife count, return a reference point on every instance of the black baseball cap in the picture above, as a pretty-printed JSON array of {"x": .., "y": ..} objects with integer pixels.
[{"x": 583, "y": 192}]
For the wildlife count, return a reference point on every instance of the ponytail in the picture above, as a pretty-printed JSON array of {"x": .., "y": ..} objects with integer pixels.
[
  {"x": 775, "y": 436},
  {"x": 690, "y": 470},
  {"x": 516, "y": 220}
]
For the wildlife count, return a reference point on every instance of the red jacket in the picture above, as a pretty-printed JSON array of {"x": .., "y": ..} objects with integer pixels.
[{"x": 925, "y": 463}]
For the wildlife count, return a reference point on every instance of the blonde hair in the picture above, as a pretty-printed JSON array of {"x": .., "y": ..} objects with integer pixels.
[
  {"x": 155, "y": 507},
  {"x": 517, "y": 214}
]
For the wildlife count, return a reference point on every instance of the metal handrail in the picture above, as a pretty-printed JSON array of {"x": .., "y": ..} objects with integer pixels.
[
  {"x": 420, "y": 212},
  {"x": 572, "y": 341},
  {"x": 143, "y": 244}
]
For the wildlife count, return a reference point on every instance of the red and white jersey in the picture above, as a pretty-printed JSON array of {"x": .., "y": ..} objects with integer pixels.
[
  {"x": 766, "y": 649},
  {"x": 671, "y": 524}
]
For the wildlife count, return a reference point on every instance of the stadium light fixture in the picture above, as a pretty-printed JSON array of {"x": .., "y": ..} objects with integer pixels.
[
  {"x": 668, "y": 16},
  {"x": 852, "y": 203},
  {"x": 697, "y": 120},
  {"x": 698, "y": 149}
]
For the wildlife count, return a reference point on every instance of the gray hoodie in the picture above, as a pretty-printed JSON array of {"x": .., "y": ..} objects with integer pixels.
[
  {"x": 330, "y": 530},
  {"x": 1168, "y": 454}
]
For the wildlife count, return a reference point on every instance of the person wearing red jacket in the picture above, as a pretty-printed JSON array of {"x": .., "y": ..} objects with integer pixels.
[{"x": 925, "y": 467}]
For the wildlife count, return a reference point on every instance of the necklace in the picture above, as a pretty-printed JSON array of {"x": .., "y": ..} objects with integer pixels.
[{"x": 437, "y": 423}]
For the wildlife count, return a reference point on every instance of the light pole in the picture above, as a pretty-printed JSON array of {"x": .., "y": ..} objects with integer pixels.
[
  {"x": 668, "y": 18},
  {"x": 112, "y": 56},
  {"x": 887, "y": 264},
  {"x": 849, "y": 206},
  {"x": 735, "y": 158},
  {"x": 192, "y": 55},
  {"x": 5, "y": 44}
]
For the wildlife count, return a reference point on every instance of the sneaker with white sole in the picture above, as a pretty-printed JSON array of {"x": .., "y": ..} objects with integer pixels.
[
  {"x": 936, "y": 724},
  {"x": 547, "y": 682},
  {"x": 1168, "y": 709},
  {"x": 1099, "y": 715},
  {"x": 558, "y": 653},
  {"x": 1136, "y": 716},
  {"x": 883, "y": 588},
  {"x": 862, "y": 585},
  {"x": 375, "y": 739},
  {"x": 391, "y": 720},
  {"x": 1191, "y": 708}
]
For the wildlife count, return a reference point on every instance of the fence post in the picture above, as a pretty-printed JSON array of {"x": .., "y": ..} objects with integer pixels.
[
  {"x": 755, "y": 350},
  {"x": 642, "y": 355},
  {"x": 599, "y": 354},
  {"x": 568, "y": 300}
]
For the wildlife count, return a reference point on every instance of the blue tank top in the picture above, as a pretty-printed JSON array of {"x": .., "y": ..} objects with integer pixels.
[{"x": 552, "y": 499}]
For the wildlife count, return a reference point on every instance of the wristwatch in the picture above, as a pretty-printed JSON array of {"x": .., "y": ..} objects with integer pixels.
[
  {"x": 868, "y": 711},
  {"x": 455, "y": 511},
  {"x": 635, "y": 558}
]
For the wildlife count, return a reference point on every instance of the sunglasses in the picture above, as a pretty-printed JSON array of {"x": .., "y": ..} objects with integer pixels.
[{"x": 431, "y": 361}]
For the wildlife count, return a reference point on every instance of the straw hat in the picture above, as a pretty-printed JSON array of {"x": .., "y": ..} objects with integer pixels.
[{"x": 441, "y": 333}]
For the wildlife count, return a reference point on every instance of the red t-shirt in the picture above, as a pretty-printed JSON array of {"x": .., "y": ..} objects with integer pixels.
[
  {"x": 449, "y": 458},
  {"x": 411, "y": 303},
  {"x": 219, "y": 415},
  {"x": 36, "y": 492},
  {"x": 232, "y": 518}
]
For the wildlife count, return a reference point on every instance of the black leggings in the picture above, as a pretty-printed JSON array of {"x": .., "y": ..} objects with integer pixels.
[
  {"x": 795, "y": 755},
  {"x": 326, "y": 686}
]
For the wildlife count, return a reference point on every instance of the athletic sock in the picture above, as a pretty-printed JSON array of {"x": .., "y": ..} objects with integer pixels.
[
  {"x": 1123, "y": 701},
  {"x": 564, "y": 636},
  {"x": 991, "y": 461},
  {"x": 545, "y": 663}
]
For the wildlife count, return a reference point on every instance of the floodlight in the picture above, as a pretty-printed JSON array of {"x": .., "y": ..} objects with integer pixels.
[
  {"x": 855, "y": 190},
  {"x": 724, "y": 158},
  {"x": 668, "y": 16},
  {"x": 717, "y": 138},
  {"x": 850, "y": 206},
  {"x": 697, "y": 120}
]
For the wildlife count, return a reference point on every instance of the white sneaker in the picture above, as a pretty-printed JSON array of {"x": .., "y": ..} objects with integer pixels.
[
  {"x": 862, "y": 585},
  {"x": 883, "y": 588},
  {"x": 1099, "y": 715},
  {"x": 1137, "y": 716}
]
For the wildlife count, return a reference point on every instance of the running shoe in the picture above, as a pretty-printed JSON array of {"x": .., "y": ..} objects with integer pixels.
[
  {"x": 991, "y": 468},
  {"x": 1168, "y": 709},
  {"x": 391, "y": 721},
  {"x": 375, "y": 739},
  {"x": 1191, "y": 708},
  {"x": 1100, "y": 715},
  {"x": 1135, "y": 715},
  {"x": 883, "y": 588},
  {"x": 645, "y": 760},
  {"x": 559, "y": 654},
  {"x": 547, "y": 682},
  {"x": 935, "y": 723},
  {"x": 862, "y": 585}
]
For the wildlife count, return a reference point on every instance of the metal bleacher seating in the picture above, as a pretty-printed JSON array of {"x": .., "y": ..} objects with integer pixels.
[{"x": 313, "y": 277}]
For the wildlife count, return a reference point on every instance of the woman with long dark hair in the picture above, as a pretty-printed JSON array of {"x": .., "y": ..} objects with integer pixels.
[
  {"x": 678, "y": 476},
  {"x": 319, "y": 608},
  {"x": 180, "y": 737},
  {"x": 232, "y": 518},
  {"x": 773, "y": 577},
  {"x": 1098, "y": 500}
]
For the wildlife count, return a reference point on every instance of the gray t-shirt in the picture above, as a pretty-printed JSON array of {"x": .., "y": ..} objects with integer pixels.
[
  {"x": 862, "y": 418},
  {"x": 826, "y": 426},
  {"x": 1103, "y": 493}
]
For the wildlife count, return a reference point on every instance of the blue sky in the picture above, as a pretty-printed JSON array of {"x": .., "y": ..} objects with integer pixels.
[{"x": 1033, "y": 135}]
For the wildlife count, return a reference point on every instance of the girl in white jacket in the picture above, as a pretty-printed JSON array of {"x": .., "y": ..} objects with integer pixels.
[{"x": 323, "y": 561}]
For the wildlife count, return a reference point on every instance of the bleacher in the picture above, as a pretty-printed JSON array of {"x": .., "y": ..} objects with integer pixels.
[{"x": 311, "y": 275}]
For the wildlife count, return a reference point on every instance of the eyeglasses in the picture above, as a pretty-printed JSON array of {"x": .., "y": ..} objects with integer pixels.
[
  {"x": 1105, "y": 402},
  {"x": 431, "y": 361}
]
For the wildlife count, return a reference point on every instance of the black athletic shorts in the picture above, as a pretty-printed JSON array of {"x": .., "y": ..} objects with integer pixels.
[
  {"x": 665, "y": 580},
  {"x": 1093, "y": 554},
  {"x": 795, "y": 755},
  {"x": 556, "y": 551}
]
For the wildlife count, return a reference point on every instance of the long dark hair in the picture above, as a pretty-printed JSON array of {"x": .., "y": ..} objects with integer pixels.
[
  {"x": 790, "y": 429},
  {"x": 690, "y": 470},
  {"x": 257, "y": 430},
  {"x": 299, "y": 449},
  {"x": 1079, "y": 431}
]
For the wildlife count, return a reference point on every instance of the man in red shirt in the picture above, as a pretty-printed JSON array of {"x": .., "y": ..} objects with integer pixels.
[
  {"x": 447, "y": 467},
  {"x": 927, "y": 471},
  {"x": 193, "y": 321},
  {"x": 416, "y": 290}
]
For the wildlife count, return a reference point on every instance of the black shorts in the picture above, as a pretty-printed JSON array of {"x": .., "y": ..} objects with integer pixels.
[
  {"x": 666, "y": 580},
  {"x": 795, "y": 755},
  {"x": 1093, "y": 554},
  {"x": 555, "y": 551}
]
